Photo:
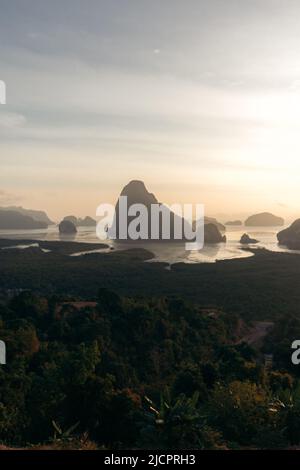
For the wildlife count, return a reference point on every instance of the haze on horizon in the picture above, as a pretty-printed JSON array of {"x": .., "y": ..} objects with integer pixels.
[{"x": 200, "y": 100}]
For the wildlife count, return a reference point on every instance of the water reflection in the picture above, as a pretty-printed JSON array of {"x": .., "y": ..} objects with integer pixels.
[
  {"x": 165, "y": 252},
  {"x": 68, "y": 237}
]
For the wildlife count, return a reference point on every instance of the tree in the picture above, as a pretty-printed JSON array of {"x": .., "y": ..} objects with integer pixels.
[{"x": 177, "y": 424}]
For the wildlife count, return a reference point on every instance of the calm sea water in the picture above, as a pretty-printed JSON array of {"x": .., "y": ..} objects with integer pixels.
[{"x": 170, "y": 253}]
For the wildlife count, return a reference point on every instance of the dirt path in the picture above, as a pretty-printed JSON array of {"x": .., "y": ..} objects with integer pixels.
[{"x": 257, "y": 333}]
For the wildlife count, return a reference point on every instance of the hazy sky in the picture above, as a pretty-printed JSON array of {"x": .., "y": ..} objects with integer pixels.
[{"x": 200, "y": 99}]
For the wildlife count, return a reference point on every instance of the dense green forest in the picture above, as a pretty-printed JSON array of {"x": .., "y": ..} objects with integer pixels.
[
  {"x": 262, "y": 287},
  {"x": 109, "y": 351},
  {"x": 129, "y": 373}
]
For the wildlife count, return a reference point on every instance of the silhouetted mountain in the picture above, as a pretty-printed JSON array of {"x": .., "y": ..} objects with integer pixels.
[
  {"x": 137, "y": 193},
  {"x": 265, "y": 219},
  {"x": 67, "y": 227},
  {"x": 212, "y": 220},
  {"x": 72, "y": 219},
  {"x": 212, "y": 234},
  {"x": 246, "y": 240},
  {"x": 86, "y": 222},
  {"x": 234, "y": 223},
  {"x": 290, "y": 237},
  {"x": 39, "y": 216},
  {"x": 15, "y": 220}
]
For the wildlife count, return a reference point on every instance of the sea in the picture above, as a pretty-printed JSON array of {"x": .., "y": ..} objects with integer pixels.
[{"x": 164, "y": 252}]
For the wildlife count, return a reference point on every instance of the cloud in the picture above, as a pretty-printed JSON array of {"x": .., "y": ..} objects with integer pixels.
[
  {"x": 11, "y": 120},
  {"x": 7, "y": 198},
  {"x": 209, "y": 92}
]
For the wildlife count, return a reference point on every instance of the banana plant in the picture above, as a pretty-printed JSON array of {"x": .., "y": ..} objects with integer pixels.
[{"x": 60, "y": 434}]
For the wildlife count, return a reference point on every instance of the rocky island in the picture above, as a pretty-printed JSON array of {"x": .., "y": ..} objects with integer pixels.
[
  {"x": 290, "y": 237},
  {"x": 264, "y": 219},
  {"x": 246, "y": 240},
  {"x": 137, "y": 193},
  {"x": 14, "y": 220},
  {"x": 66, "y": 227},
  {"x": 85, "y": 222}
]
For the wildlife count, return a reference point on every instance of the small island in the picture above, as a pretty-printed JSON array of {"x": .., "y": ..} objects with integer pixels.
[
  {"x": 234, "y": 223},
  {"x": 66, "y": 227},
  {"x": 81, "y": 222},
  {"x": 264, "y": 219},
  {"x": 246, "y": 240}
]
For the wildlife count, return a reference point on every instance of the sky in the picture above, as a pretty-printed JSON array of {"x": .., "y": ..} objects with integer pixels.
[{"x": 199, "y": 99}]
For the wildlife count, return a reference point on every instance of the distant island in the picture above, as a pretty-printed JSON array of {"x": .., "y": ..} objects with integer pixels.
[
  {"x": 234, "y": 223},
  {"x": 86, "y": 222},
  {"x": 290, "y": 237},
  {"x": 13, "y": 220},
  {"x": 246, "y": 240},
  {"x": 264, "y": 219},
  {"x": 39, "y": 216}
]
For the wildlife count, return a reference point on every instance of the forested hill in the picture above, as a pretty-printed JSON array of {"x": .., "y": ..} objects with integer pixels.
[
  {"x": 262, "y": 287},
  {"x": 126, "y": 373}
]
